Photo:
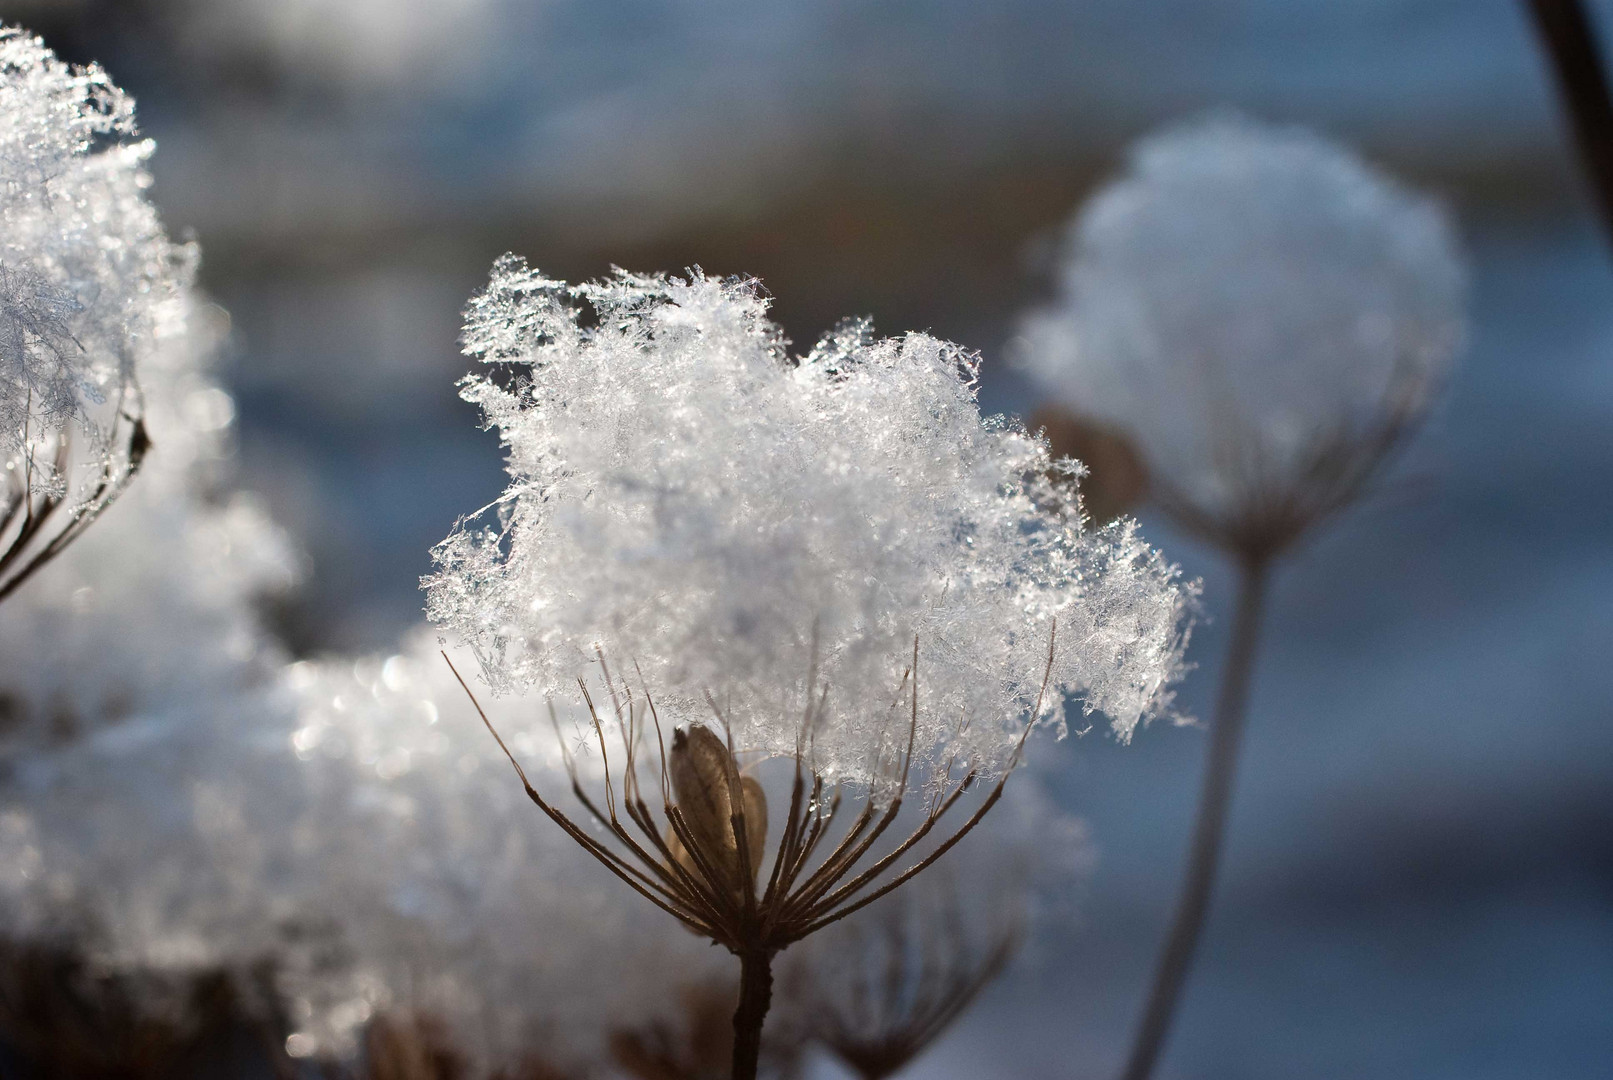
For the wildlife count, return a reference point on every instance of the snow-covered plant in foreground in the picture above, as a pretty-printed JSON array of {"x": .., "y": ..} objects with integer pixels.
[
  {"x": 829, "y": 558},
  {"x": 1265, "y": 315},
  {"x": 90, "y": 289}
]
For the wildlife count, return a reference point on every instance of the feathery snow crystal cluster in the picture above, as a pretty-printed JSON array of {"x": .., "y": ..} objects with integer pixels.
[
  {"x": 1257, "y": 307},
  {"x": 722, "y": 518},
  {"x": 89, "y": 284}
]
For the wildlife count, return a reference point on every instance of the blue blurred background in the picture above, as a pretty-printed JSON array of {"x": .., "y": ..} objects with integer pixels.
[{"x": 1420, "y": 874}]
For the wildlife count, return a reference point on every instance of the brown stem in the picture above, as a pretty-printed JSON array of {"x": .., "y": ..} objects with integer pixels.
[
  {"x": 1570, "y": 41},
  {"x": 1209, "y": 830},
  {"x": 755, "y": 995}
]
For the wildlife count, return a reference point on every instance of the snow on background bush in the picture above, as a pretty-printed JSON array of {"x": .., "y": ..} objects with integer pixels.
[
  {"x": 1249, "y": 301},
  {"x": 720, "y": 516}
]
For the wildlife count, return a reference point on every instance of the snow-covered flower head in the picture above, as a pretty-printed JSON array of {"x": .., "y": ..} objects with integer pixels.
[
  {"x": 90, "y": 287},
  {"x": 1265, "y": 314},
  {"x": 720, "y": 517}
]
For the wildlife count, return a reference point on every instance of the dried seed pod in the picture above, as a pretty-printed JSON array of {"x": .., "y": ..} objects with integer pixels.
[{"x": 703, "y": 775}]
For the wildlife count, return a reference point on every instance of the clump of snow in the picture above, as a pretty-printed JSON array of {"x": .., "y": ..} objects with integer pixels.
[
  {"x": 90, "y": 285},
  {"x": 719, "y": 516}
]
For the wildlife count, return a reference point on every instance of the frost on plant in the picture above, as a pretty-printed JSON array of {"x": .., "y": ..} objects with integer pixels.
[
  {"x": 90, "y": 288},
  {"x": 721, "y": 517},
  {"x": 1263, "y": 313}
]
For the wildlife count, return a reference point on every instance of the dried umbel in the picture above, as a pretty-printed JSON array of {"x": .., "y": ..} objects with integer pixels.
[
  {"x": 704, "y": 861},
  {"x": 436, "y": 892},
  {"x": 1268, "y": 319},
  {"x": 896, "y": 981},
  {"x": 882, "y": 987},
  {"x": 89, "y": 287}
]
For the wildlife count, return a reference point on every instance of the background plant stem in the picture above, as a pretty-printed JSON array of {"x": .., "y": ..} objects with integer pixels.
[
  {"x": 755, "y": 995},
  {"x": 1209, "y": 830},
  {"x": 1570, "y": 41}
]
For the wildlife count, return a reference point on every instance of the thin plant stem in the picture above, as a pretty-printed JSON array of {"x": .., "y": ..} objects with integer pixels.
[
  {"x": 1569, "y": 38},
  {"x": 1209, "y": 830},
  {"x": 755, "y": 996}
]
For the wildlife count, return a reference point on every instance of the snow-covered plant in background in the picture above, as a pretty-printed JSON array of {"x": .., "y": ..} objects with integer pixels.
[
  {"x": 90, "y": 290},
  {"x": 130, "y": 673},
  {"x": 1266, "y": 319},
  {"x": 1264, "y": 314},
  {"x": 829, "y": 558}
]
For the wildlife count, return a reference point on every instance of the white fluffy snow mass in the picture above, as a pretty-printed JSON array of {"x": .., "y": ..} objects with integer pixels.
[
  {"x": 721, "y": 517},
  {"x": 1248, "y": 301},
  {"x": 90, "y": 285}
]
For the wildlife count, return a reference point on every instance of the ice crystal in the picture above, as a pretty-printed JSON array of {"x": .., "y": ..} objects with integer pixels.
[
  {"x": 1260, "y": 310},
  {"x": 720, "y": 517}
]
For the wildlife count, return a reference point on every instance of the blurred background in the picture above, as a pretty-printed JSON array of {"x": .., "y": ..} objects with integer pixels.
[{"x": 1420, "y": 874}]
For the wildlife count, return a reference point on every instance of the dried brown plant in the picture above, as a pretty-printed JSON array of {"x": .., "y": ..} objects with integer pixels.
[
  {"x": 709, "y": 880},
  {"x": 893, "y": 982}
]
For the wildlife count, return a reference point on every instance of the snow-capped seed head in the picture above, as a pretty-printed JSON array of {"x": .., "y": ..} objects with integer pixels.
[
  {"x": 1262, "y": 312},
  {"x": 737, "y": 521}
]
